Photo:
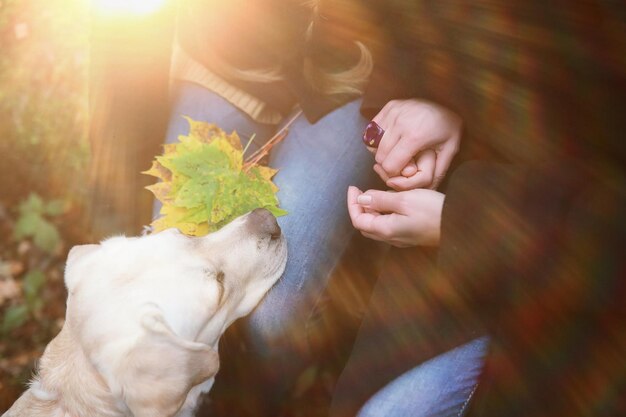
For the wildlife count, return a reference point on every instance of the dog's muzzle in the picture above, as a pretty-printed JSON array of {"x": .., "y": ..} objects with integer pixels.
[{"x": 261, "y": 221}]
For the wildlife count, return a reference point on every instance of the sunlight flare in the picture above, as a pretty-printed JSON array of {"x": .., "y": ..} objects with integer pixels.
[{"x": 128, "y": 7}]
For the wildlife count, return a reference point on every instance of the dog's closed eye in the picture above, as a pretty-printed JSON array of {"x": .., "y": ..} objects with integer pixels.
[
  {"x": 220, "y": 281},
  {"x": 219, "y": 277}
]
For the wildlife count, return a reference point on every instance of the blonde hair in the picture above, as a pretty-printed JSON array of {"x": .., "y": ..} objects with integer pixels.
[
  {"x": 257, "y": 75},
  {"x": 350, "y": 81}
]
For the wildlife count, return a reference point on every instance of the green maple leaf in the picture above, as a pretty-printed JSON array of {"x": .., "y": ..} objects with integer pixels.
[
  {"x": 203, "y": 185},
  {"x": 195, "y": 192},
  {"x": 201, "y": 161}
]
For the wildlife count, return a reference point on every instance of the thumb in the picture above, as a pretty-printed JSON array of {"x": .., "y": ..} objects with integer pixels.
[{"x": 381, "y": 201}]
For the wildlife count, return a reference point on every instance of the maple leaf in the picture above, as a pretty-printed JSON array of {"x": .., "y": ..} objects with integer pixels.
[{"x": 203, "y": 184}]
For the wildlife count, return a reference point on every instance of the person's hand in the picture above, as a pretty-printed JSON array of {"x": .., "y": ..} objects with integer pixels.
[
  {"x": 420, "y": 140},
  {"x": 402, "y": 219}
]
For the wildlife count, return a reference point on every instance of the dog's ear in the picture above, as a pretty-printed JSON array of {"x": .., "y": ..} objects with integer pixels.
[
  {"x": 161, "y": 369},
  {"x": 76, "y": 253},
  {"x": 79, "y": 251}
]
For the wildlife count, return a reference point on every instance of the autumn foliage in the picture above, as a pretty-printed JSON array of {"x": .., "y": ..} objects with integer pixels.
[{"x": 205, "y": 182}]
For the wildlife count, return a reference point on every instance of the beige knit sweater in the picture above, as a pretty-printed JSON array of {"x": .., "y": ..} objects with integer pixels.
[{"x": 185, "y": 68}]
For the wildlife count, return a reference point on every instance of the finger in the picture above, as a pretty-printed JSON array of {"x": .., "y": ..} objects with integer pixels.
[
  {"x": 383, "y": 114},
  {"x": 423, "y": 178},
  {"x": 353, "y": 193},
  {"x": 371, "y": 236},
  {"x": 393, "y": 241},
  {"x": 387, "y": 143},
  {"x": 381, "y": 172},
  {"x": 378, "y": 227},
  {"x": 354, "y": 209},
  {"x": 403, "y": 151},
  {"x": 364, "y": 219},
  {"x": 382, "y": 201},
  {"x": 410, "y": 169},
  {"x": 444, "y": 158}
]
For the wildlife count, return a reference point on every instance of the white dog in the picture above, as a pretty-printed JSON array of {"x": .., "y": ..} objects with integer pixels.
[{"x": 144, "y": 317}]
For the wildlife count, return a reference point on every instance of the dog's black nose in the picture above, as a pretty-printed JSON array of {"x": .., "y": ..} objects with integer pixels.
[{"x": 263, "y": 222}]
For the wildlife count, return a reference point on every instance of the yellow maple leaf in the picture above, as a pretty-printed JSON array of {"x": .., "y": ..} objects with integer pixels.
[
  {"x": 266, "y": 173},
  {"x": 159, "y": 171},
  {"x": 162, "y": 191},
  {"x": 208, "y": 132}
]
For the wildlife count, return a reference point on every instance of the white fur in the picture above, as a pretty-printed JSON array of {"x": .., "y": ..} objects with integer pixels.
[{"x": 143, "y": 321}]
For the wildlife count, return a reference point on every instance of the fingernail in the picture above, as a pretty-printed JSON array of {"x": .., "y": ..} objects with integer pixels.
[{"x": 364, "y": 199}]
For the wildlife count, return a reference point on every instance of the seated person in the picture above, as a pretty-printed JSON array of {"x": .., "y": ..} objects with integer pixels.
[{"x": 529, "y": 233}]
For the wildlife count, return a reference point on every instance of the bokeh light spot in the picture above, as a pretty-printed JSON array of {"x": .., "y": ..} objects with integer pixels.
[{"x": 128, "y": 7}]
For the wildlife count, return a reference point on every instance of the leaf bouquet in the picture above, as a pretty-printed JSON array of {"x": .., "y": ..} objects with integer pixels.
[{"x": 205, "y": 182}]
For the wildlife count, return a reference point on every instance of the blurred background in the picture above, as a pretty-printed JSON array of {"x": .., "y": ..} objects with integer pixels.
[
  {"x": 44, "y": 168},
  {"x": 44, "y": 152}
]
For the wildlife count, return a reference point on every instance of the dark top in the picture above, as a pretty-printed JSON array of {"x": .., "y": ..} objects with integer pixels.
[{"x": 533, "y": 229}]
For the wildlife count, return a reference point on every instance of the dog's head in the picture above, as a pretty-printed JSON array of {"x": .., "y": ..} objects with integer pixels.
[{"x": 148, "y": 311}]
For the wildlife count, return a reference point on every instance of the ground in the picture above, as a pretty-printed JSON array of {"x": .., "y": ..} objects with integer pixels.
[{"x": 32, "y": 299}]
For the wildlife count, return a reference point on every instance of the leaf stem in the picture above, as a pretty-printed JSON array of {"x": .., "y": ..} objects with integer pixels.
[
  {"x": 277, "y": 138},
  {"x": 248, "y": 144}
]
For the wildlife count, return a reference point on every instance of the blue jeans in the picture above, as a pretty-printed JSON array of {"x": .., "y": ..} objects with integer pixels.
[
  {"x": 316, "y": 162},
  {"x": 440, "y": 387}
]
